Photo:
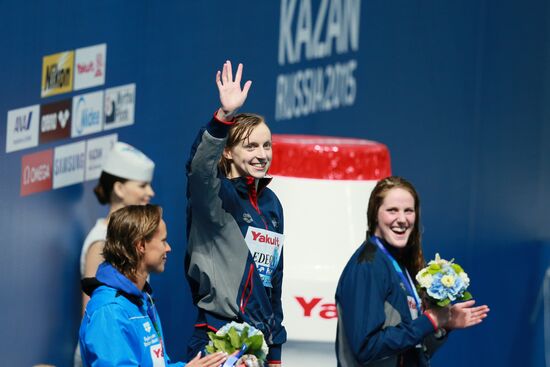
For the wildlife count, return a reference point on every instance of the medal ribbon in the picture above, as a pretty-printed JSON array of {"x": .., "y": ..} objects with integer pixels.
[{"x": 406, "y": 280}]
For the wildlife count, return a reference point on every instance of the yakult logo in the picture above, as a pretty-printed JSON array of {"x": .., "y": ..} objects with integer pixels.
[
  {"x": 157, "y": 355},
  {"x": 315, "y": 307},
  {"x": 265, "y": 238},
  {"x": 90, "y": 66},
  {"x": 36, "y": 172}
]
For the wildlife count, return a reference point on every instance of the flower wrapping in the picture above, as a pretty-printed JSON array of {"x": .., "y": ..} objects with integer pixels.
[
  {"x": 236, "y": 336},
  {"x": 443, "y": 282}
]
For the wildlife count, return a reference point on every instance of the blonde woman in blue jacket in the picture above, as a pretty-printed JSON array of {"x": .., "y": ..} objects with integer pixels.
[{"x": 121, "y": 326}]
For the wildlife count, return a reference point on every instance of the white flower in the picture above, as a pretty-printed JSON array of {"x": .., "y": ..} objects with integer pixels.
[
  {"x": 425, "y": 279},
  {"x": 448, "y": 281},
  {"x": 465, "y": 279},
  {"x": 439, "y": 261}
]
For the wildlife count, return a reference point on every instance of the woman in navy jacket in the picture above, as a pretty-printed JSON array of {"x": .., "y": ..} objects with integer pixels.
[
  {"x": 234, "y": 259},
  {"x": 381, "y": 319}
]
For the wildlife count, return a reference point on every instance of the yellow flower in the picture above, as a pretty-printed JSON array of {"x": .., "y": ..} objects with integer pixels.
[{"x": 448, "y": 280}]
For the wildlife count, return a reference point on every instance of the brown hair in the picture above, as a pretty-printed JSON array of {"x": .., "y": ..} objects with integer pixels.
[
  {"x": 104, "y": 187},
  {"x": 128, "y": 227},
  {"x": 243, "y": 125},
  {"x": 411, "y": 256}
]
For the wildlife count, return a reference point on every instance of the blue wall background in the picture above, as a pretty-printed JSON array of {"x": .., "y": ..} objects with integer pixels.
[{"x": 458, "y": 91}]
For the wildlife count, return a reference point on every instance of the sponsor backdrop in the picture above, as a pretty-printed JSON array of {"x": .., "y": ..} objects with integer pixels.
[{"x": 457, "y": 91}]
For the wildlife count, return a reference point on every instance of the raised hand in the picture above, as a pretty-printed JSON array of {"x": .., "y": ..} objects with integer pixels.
[
  {"x": 464, "y": 315},
  {"x": 211, "y": 360},
  {"x": 232, "y": 97}
]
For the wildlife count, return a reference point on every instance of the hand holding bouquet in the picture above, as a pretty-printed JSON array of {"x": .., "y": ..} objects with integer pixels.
[
  {"x": 444, "y": 282},
  {"x": 236, "y": 339}
]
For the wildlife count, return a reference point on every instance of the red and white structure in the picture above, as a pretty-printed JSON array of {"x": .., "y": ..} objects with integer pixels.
[{"x": 324, "y": 184}]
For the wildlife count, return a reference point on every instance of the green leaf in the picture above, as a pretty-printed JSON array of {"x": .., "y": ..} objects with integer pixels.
[
  {"x": 211, "y": 349},
  {"x": 466, "y": 296},
  {"x": 434, "y": 267},
  {"x": 244, "y": 333},
  {"x": 212, "y": 335},
  {"x": 254, "y": 343},
  {"x": 234, "y": 338},
  {"x": 457, "y": 268},
  {"x": 224, "y": 345},
  {"x": 444, "y": 302}
]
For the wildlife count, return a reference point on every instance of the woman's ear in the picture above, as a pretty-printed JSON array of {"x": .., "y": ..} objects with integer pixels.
[
  {"x": 141, "y": 247},
  {"x": 227, "y": 153},
  {"x": 118, "y": 189}
]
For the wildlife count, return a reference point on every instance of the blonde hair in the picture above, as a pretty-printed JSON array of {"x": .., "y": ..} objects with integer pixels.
[{"x": 128, "y": 227}]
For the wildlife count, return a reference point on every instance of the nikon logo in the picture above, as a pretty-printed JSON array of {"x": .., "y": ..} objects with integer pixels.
[{"x": 57, "y": 73}]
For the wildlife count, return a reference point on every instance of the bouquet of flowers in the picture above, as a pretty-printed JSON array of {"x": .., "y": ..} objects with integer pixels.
[
  {"x": 246, "y": 340},
  {"x": 444, "y": 282}
]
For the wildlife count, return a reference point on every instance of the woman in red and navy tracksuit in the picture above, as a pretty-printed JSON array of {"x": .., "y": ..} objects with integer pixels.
[
  {"x": 381, "y": 321},
  {"x": 234, "y": 259}
]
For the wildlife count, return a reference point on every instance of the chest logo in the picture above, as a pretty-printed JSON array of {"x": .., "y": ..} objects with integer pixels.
[
  {"x": 247, "y": 218},
  {"x": 147, "y": 326}
]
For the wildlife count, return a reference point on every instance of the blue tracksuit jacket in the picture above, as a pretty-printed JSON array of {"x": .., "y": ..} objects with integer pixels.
[
  {"x": 375, "y": 327},
  {"x": 121, "y": 326}
]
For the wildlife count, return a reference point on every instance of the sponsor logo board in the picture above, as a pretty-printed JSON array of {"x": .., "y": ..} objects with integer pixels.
[
  {"x": 69, "y": 164},
  {"x": 87, "y": 114},
  {"x": 57, "y": 73},
  {"x": 22, "y": 128},
  {"x": 119, "y": 106},
  {"x": 36, "y": 172},
  {"x": 55, "y": 121},
  {"x": 90, "y": 66},
  {"x": 96, "y": 152}
]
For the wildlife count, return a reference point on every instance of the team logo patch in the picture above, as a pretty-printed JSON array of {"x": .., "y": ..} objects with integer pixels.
[
  {"x": 147, "y": 326},
  {"x": 275, "y": 223},
  {"x": 247, "y": 218}
]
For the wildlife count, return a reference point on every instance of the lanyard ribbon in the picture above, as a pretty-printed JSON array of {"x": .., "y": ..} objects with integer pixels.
[
  {"x": 152, "y": 315},
  {"x": 406, "y": 280}
]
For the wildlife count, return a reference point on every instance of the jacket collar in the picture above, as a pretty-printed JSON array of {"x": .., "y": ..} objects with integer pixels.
[
  {"x": 109, "y": 276},
  {"x": 245, "y": 184}
]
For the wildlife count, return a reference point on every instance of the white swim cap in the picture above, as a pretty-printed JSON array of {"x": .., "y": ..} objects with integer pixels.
[{"x": 125, "y": 161}]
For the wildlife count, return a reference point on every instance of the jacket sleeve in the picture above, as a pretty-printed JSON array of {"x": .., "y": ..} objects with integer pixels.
[
  {"x": 109, "y": 340},
  {"x": 373, "y": 327},
  {"x": 202, "y": 170},
  {"x": 279, "y": 333},
  {"x": 433, "y": 343}
]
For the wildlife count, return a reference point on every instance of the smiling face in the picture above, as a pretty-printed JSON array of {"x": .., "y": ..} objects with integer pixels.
[
  {"x": 396, "y": 217},
  {"x": 156, "y": 250},
  {"x": 134, "y": 192},
  {"x": 252, "y": 155}
]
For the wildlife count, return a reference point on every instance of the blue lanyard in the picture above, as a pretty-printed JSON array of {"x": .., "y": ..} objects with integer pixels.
[
  {"x": 406, "y": 280},
  {"x": 151, "y": 312}
]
